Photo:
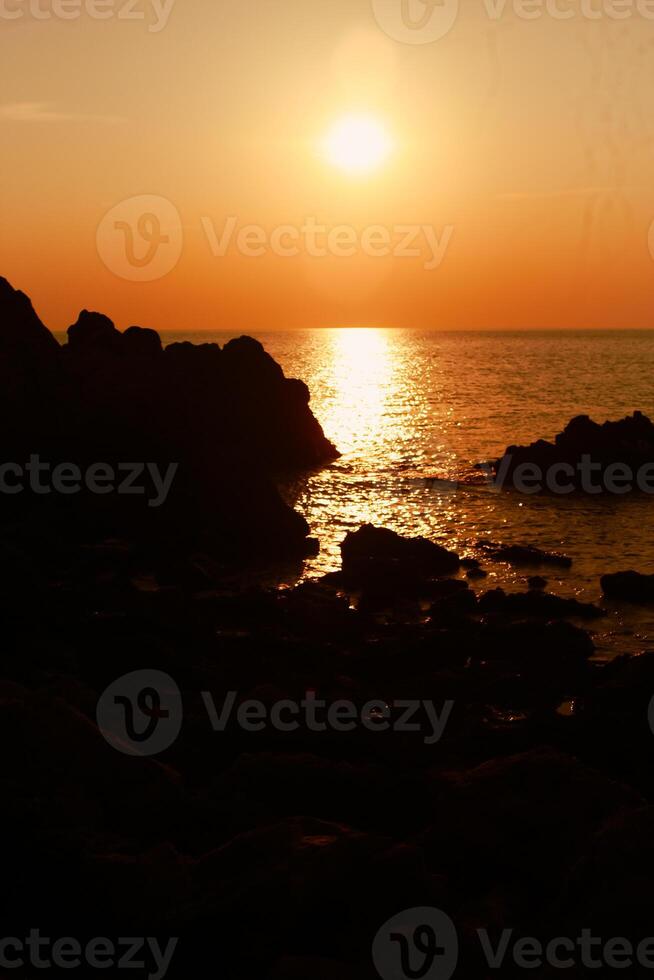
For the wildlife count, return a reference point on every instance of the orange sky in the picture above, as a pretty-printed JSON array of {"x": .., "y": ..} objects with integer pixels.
[{"x": 520, "y": 171}]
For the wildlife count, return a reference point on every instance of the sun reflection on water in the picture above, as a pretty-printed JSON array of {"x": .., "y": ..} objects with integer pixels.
[
  {"x": 373, "y": 401},
  {"x": 359, "y": 375}
]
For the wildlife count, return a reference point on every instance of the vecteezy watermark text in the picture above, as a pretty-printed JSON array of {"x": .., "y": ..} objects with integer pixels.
[
  {"x": 426, "y": 21},
  {"x": 317, "y": 715},
  {"x": 423, "y": 942},
  {"x": 100, "y": 953},
  {"x": 141, "y": 713},
  {"x": 155, "y": 12},
  {"x": 141, "y": 239},
  {"x": 318, "y": 240},
  {"x": 43, "y": 478},
  {"x": 588, "y": 476}
]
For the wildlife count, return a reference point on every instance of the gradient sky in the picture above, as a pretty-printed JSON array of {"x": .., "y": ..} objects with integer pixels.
[{"x": 531, "y": 140}]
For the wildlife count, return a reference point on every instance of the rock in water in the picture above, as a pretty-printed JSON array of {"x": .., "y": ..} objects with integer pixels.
[
  {"x": 377, "y": 556},
  {"x": 629, "y": 442},
  {"x": 523, "y": 554},
  {"x": 629, "y": 586}
]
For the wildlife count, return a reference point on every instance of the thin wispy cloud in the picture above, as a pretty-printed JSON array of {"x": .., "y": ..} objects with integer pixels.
[{"x": 45, "y": 112}]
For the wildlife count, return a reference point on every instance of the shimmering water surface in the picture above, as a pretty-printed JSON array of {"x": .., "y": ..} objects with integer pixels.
[{"x": 404, "y": 405}]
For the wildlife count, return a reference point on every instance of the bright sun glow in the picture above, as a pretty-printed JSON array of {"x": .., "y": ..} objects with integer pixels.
[{"x": 357, "y": 144}]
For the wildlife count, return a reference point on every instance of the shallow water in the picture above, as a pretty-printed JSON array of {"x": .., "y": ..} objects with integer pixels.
[{"x": 405, "y": 405}]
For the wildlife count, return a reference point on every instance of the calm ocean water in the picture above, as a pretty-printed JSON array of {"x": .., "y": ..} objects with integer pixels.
[{"x": 404, "y": 405}]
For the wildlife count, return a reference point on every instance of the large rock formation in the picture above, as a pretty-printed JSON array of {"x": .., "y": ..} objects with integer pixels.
[
  {"x": 628, "y": 442},
  {"x": 227, "y": 419}
]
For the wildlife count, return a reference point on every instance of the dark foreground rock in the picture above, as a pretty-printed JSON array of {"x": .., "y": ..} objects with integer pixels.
[
  {"x": 523, "y": 554},
  {"x": 629, "y": 587},
  {"x": 224, "y": 422},
  {"x": 537, "y": 604},
  {"x": 375, "y": 557},
  {"x": 362, "y": 758},
  {"x": 284, "y": 847}
]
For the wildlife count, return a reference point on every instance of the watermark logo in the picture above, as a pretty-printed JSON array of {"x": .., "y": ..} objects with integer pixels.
[
  {"x": 416, "y": 21},
  {"x": 650, "y": 715},
  {"x": 422, "y": 944},
  {"x": 141, "y": 713},
  {"x": 141, "y": 238},
  {"x": 425, "y": 21},
  {"x": 318, "y": 241},
  {"x": 417, "y": 944}
]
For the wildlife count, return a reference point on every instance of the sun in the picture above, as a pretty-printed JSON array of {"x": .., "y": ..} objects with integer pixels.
[{"x": 357, "y": 144}]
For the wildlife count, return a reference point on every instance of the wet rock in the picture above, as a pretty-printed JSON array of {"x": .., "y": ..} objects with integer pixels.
[
  {"x": 476, "y": 573},
  {"x": 446, "y": 588},
  {"x": 374, "y": 557},
  {"x": 545, "y": 661},
  {"x": 629, "y": 586},
  {"x": 536, "y": 605},
  {"x": 516, "y": 554},
  {"x": 459, "y": 604},
  {"x": 312, "y": 606},
  {"x": 537, "y": 582}
]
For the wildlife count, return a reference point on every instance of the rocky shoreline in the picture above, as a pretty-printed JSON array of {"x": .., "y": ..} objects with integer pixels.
[{"x": 490, "y": 767}]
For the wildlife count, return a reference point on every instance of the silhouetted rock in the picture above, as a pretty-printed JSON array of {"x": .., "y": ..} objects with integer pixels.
[
  {"x": 512, "y": 826},
  {"x": 629, "y": 586},
  {"x": 516, "y": 554},
  {"x": 450, "y": 608},
  {"x": 536, "y": 582},
  {"x": 379, "y": 558},
  {"x": 558, "y": 647},
  {"x": 538, "y": 605},
  {"x": 226, "y": 422},
  {"x": 22, "y": 334},
  {"x": 94, "y": 330},
  {"x": 582, "y": 454},
  {"x": 142, "y": 340},
  {"x": 607, "y": 891}
]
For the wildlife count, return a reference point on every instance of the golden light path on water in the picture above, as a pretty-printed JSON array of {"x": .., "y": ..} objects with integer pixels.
[
  {"x": 362, "y": 375},
  {"x": 375, "y": 403}
]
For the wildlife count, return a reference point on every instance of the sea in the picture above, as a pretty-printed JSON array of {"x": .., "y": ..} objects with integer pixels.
[{"x": 414, "y": 411}]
